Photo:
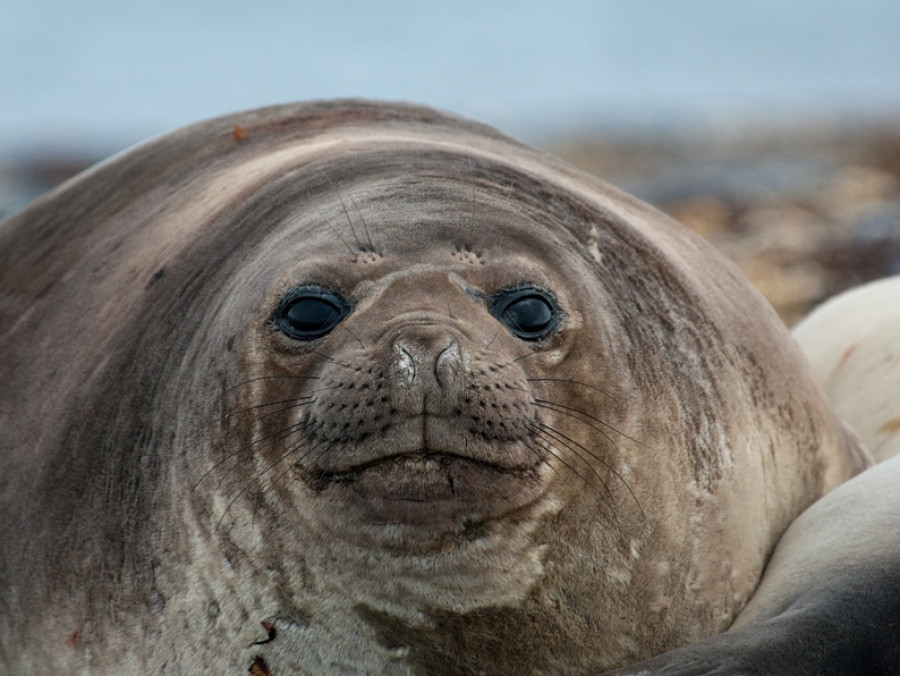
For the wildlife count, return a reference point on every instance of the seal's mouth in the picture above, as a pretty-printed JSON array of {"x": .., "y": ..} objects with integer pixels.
[
  {"x": 428, "y": 470},
  {"x": 423, "y": 460},
  {"x": 424, "y": 486}
]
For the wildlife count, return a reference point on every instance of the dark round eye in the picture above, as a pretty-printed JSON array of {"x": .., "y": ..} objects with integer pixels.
[
  {"x": 528, "y": 312},
  {"x": 310, "y": 312}
]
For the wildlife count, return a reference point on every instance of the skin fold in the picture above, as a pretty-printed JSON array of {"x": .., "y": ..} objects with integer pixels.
[{"x": 830, "y": 597}]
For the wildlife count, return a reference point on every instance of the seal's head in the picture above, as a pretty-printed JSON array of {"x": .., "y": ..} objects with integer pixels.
[{"x": 411, "y": 394}]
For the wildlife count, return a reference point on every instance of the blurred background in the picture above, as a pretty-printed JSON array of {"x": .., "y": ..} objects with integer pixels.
[{"x": 770, "y": 127}]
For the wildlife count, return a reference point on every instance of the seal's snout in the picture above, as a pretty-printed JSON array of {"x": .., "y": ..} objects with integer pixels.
[
  {"x": 427, "y": 362},
  {"x": 426, "y": 417}
]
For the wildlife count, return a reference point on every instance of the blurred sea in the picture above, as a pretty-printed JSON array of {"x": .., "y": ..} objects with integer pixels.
[{"x": 97, "y": 75}]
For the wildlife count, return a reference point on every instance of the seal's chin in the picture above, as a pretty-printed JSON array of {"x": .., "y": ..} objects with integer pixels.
[{"x": 427, "y": 488}]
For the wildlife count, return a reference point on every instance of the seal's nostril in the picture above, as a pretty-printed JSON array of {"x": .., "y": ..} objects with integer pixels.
[
  {"x": 447, "y": 363},
  {"x": 406, "y": 364}
]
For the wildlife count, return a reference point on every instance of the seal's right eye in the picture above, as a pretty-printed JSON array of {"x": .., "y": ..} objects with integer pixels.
[{"x": 310, "y": 312}]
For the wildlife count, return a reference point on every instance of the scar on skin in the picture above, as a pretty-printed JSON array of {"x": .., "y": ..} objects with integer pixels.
[
  {"x": 890, "y": 426},
  {"x": 270, "y": 633},
  {"x": 846, "y": 356},
  {"x": 259, "y": 668}
]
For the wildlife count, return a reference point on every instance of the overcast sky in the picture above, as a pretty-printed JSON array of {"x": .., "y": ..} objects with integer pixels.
[{"x": 108, "y": 73}]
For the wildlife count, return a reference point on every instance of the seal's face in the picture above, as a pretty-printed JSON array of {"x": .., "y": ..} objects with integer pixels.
[
  {"x": 413, "y": 418},
  {"x": 407, "y": 383}
]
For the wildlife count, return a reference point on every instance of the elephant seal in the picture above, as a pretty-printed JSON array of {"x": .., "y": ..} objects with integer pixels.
[
  {"x": 852, "y": 343},
  {"x": 362, "y": 387}
]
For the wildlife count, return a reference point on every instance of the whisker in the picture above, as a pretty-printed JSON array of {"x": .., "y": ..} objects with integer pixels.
[
  {"x": 327, "y": 222},
  {"x": 358, "y": 339},
  {"x": 283, "y": 474},
  {"x": 296, "y": 402},
  {"x": 548, "y": 448},
  {"x": 539, "y": 404},
  {"x": 554, "y": 433},
  {"x": 293, "y": 400},
  {"x": 474, "y": 203},
  {"x": 493, "y": 338},
  {"x": 353, "y": 252},
  {"x": 274, "y": 437},
  {"x": 291, "y": 450},
  {"x": 259, "y": 418},
  {"x": 470, "y": 235},
  {"x": 332, "y": 360},
  {"x": 359, "y": 245},
  {"x": 570, "y": 411},
  {"x": 573, "y": 382},
  {"x": 258, "y": 378},
  {"x": 362, "y": 220},
  {"x": 321, "y": 444},
  {"x": 548, "y": 433},
  {"x": 518, "y": 359}
]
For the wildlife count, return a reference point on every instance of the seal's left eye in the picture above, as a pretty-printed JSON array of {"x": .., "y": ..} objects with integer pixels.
[
  {"x": 310, "y": 312},
  {"x": 528, "y": 312}
]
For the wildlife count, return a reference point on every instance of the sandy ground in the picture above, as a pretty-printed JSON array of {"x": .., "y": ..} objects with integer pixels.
[{"x": 805, "y": 211}]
